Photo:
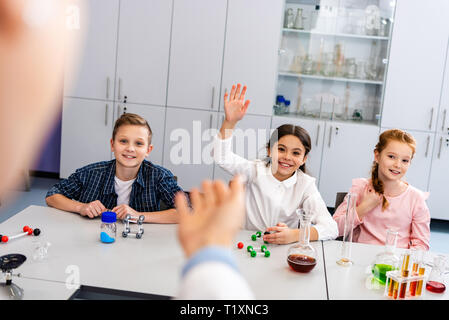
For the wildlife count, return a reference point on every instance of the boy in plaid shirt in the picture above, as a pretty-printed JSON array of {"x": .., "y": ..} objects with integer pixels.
[{"x": 129, "y": 184}]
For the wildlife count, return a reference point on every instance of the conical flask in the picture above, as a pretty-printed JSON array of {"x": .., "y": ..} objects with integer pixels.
[
  {"x": 302, "y": 257},
  {"x": 386, "y": 260}
]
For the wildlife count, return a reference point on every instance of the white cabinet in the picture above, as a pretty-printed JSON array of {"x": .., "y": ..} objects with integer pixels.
[
  {"x": 443, "y": 114},
  {"x": 86, "y": 133},
  {"x": 143, "y": 51},
  {"x": 188, "y": 145},
  {"x": 155, "y": 117},
  {"x": 316, "y": 133},
  {"x": 416, "y": 65},
  {"x": 196, "y": 53},
  {"x": 93, "y": 77},
  {"x": 438, "y": 199},
  {"x": 347, "y": 154},
  {"x": 249, "y": 140},
  {"x": 251, "y": 51},
  {"x": 419, "y": 170}
]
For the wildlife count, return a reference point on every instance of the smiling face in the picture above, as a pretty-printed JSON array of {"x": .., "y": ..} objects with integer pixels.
[
  {"x": 394, "y": 160},
  {"x": 287, "y": 155},
  {"x": 131, "y": 146}
]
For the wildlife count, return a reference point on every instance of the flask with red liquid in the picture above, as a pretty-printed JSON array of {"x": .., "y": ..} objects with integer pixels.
[
  {"x": 302, "y": 257},
  {"x": 435, "y": 283}
]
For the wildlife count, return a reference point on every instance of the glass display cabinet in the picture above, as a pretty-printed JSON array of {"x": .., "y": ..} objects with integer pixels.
[{"x": 333, "y": 58}]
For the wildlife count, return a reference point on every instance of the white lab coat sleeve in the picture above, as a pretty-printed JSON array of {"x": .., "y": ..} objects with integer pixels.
[
  {"x": 231, "y": 162},
  {"x": 211, "y": 274}
]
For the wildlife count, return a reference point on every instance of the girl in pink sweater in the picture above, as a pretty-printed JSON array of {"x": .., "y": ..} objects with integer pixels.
[{"x": 386, "y": 201}]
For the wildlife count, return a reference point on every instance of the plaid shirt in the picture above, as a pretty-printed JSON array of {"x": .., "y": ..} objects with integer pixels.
[{"x": 96, "y": 182}]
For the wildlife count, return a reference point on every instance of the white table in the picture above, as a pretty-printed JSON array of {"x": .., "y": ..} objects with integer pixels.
[
  {"x": 350, "y": 283},
  {"x": 152, "y": 265}
]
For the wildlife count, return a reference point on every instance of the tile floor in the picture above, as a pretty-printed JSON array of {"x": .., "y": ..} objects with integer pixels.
[{"x": 439, "y": 237}]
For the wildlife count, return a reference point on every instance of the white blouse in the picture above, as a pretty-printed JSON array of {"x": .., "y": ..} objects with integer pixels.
[{"x": 270, "y": 201}]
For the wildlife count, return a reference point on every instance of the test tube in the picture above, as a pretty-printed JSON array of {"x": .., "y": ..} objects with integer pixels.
[
  {"x": 403, "y": 285},
  {"x": 391, "y": 287},
  {"x": 422, "y": 270},
  {"x": 395, "y": 289},
  {"x": 417, "y": 257}
]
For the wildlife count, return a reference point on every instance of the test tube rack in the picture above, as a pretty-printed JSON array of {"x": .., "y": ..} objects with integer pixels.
[{"x": 400, "y": 286}]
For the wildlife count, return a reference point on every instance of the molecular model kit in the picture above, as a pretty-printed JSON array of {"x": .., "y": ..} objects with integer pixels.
[{"x": 256, "y": 251}]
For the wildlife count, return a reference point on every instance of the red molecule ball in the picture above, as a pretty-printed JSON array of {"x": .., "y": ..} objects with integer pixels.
[
  {"x": 5, "y": 239},
  {"x": 240, "y": 245},
  {"x": 30, "y": 231},
  {"x": 26, "y": 228}
]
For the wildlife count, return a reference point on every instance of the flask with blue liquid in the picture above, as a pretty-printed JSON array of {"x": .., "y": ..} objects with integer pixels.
[{"x": 108, "y": 227}]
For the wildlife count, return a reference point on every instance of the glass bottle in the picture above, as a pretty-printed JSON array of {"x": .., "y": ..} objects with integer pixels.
[
  {"x": 435, "y": 283},
  {"x": 302, "y": 257},
  {"x": 289, "y": 19},
  {"x": 386, "y": 260},
  {"x": 108, "y": 229},
  {"x": 299, "y": 20}
]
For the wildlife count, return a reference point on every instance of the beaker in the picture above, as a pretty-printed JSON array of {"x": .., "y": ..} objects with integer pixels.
[
  {"x": 386, "y": 260},
  {"x": 328, "y": 68},
  {"x": 302, "y": 257},
  {"x": 299, "y": 20},
  {"x": 346, "y": 245},
  {"x": 289, "y": 19},
  {"x": 435, "y": 283},
  {"x": 307, "y": 65},
  {"x": 351, "y": 68}
]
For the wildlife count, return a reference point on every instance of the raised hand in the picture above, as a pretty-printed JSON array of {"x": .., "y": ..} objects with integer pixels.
[{"x": 235, "y": 105}]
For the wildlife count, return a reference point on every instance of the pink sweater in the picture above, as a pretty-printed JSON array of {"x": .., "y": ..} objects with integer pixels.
[{"x": 407, "y": 214}]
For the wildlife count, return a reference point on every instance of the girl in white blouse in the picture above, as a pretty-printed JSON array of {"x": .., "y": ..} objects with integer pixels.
[{"x": 276, "y": 187}]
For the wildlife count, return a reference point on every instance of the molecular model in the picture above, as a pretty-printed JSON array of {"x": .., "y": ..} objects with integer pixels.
[
  {"x": 26, "y": 231},
  {"x": 139, "y": 222},
  {"x": 256, "y": 251}
]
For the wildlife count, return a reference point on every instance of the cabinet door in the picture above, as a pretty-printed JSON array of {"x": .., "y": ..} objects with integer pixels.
[
  {"x": 86, "y": 133},
  {"x": 196, "y": 53},
  {"x": 439, "y": 177},
  {"x": 347, "y": 154},
  {"x": 188, "y": 145},
  {"x": 93, "y": 77},
  {"x": 419, "y": 170},
  {"x": 416, "y": 65},
  {"x": 155, "y": 117},
  {"x": 249, "y": 140},
  {"x": 443, "y": 115},
  {"x": 251, "y": 51},
  {"x": 143, "y": 51},
  {"x": 316, "y": 133}
]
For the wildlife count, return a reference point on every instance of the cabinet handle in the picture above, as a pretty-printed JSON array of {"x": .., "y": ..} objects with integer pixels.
[
  {"x": 330, "y": 136},
  {"x": 317, "y": 134},
  {"x": 106, "y": 114},
  {"x": 119, "y": 93},
  {"x": 439, "y": 150},
  {"x": 444, "y": 120},
  {"x": 213, "y": 97},
  {"x": 431, "y": 118},
  {"x": 107, "y": 87},
  {"x": 427, "y": 147},
  {"x": 210, "y": 121},
  {"x": 119, "y": 110}
]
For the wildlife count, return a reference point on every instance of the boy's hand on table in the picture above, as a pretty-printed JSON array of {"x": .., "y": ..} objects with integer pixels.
[
  {"x": 92, "y": 209},
  {"x": 123, "y": 210}
]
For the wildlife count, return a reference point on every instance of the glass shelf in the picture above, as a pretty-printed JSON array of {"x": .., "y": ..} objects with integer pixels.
[
  {"x": 333, "y": 58},
  {"x": 317, "y": 77},
  {"x": 342, "y": 35}
]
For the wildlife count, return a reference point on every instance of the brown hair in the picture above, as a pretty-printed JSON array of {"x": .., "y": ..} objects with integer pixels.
[
  {"x": 131, "y": 119},
  {"x": 384, "y": 138},
  {"x": 297, "y": 131}
]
